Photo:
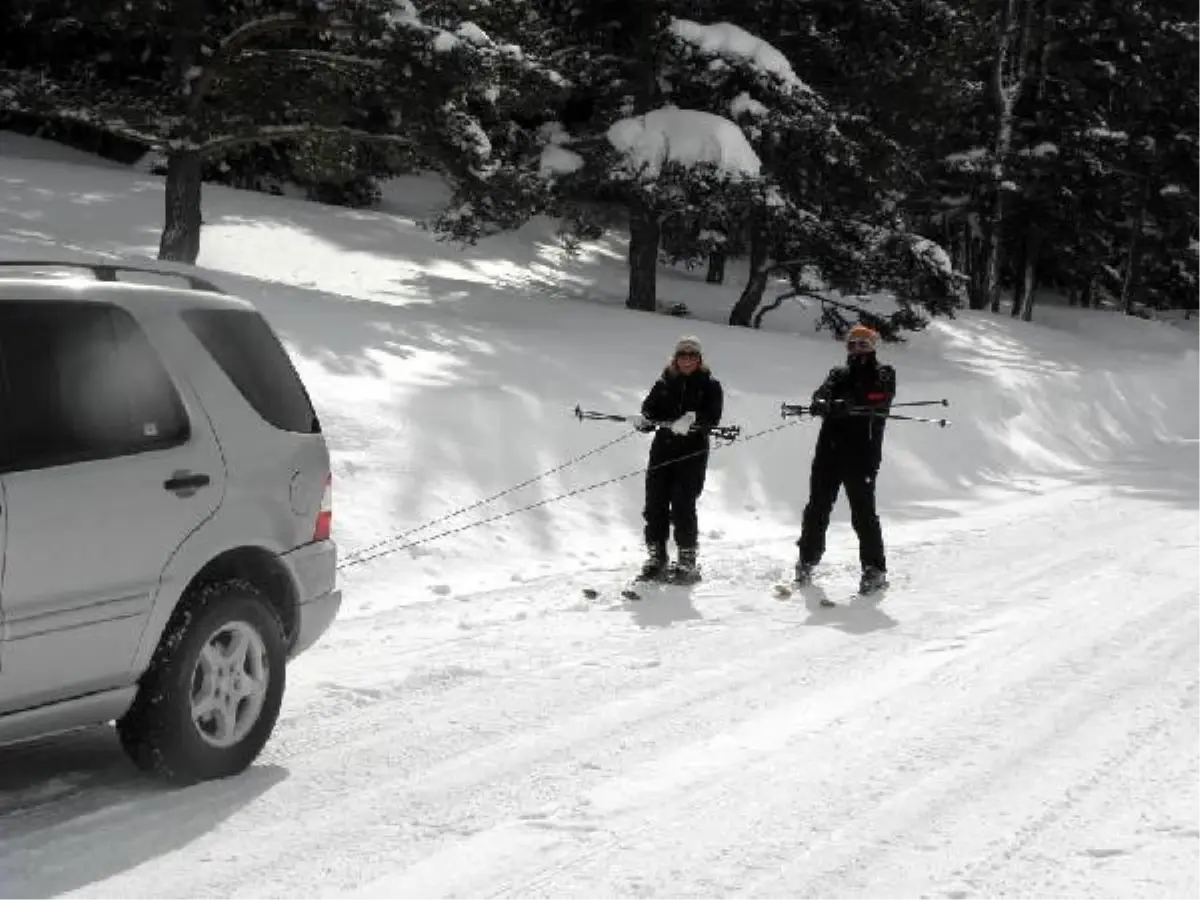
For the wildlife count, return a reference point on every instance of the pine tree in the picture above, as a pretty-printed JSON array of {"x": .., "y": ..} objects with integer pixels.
[{"x": 218, "y": 78}]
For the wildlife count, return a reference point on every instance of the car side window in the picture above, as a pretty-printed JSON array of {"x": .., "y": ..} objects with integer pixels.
[{"x": 82, "y": 382}]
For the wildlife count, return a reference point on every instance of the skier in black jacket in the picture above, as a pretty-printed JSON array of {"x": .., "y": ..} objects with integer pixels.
[
  {"x": 692, "y": 400},
  {"x": 849, "y": 451}
]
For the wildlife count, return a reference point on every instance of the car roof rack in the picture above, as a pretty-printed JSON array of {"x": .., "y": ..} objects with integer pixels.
[{"x": 108, "y": 271}]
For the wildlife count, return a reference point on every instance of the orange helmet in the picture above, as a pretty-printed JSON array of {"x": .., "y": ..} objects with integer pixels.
[{"x": 865, "y": 334}]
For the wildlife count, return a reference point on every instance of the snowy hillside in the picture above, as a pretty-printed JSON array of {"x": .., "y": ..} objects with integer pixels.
[{"x": 1018, "y": 716}]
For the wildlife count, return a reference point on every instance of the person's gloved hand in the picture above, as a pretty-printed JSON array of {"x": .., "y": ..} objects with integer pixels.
[
  {"x": 684, "y": 423},
  {"x": 824, "y": 408},
  {"x": 640, "y": 423}
]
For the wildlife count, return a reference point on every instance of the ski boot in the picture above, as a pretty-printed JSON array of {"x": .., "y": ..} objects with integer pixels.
[
  {"x": 804, "y": 573},
  {"x": 655, "y": 566},
  {"x": 873, "y": 579},
  {"x": 686, "y": 570}
]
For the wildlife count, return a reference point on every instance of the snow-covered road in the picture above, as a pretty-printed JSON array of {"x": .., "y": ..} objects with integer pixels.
[{"x": 1017, "y": 717}]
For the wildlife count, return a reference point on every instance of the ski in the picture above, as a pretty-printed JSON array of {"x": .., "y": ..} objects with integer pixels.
[
  {"x": 784, "y": 590},
  {"x": 631, "y": 589}
]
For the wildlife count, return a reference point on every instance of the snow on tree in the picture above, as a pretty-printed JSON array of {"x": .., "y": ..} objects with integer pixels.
[
  {"x": 817, "y": 206},
  {"x": 731, "y": 42},
  {"x": 624, "y": 137},
  {"x": 244, "y": 75},
  {"x": 682, "y": 137}
]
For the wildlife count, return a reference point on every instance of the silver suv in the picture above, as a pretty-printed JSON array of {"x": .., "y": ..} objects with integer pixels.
[{"x": 165, "y": 516}]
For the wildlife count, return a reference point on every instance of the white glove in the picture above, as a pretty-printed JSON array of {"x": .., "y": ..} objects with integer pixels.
[
  {"x": 684, "y": 423},
  {"x": 640, "y": 423}
]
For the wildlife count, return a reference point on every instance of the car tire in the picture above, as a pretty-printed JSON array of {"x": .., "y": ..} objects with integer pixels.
[{"x": 209, "y": 700}]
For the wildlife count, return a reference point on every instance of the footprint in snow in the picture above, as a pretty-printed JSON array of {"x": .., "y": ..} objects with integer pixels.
[{"x": 1104, "y": 853}]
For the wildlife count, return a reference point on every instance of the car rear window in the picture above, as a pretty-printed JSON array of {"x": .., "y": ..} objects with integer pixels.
[{"x": 247, "y": 350}]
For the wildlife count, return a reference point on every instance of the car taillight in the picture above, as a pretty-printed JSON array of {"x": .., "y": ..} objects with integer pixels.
[{"x": 324, "y": 526}]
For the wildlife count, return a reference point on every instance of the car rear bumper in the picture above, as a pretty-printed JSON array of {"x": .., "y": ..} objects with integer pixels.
[
  {"x": 314, "y": 572},
  {"x": 315, "y": 617}
]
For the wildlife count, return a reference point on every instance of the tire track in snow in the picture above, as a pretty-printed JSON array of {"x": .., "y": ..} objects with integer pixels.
[
  {"x": 1111, "y": 832},
  {"x": 628, "y": 833},
  {"x": 1032, "y": 767},
  {"x": 1030, "y": 573},
  {"x": 427, "y": 770}
]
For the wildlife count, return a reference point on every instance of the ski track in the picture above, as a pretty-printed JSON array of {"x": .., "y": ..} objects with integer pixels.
[{"x": 1011, "y": 718}]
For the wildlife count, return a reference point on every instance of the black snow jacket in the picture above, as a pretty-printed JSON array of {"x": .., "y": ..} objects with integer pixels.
[
  {"x": 854, "y": 440},
  {"x": 675, "y": 394}
]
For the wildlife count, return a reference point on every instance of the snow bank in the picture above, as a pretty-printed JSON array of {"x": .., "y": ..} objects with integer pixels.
[
  {"x": 687, "y": 137},
  {"x": 731, "y": 42},
  {"x": 14, "y": 145},
  {"x": 444, "y": 375}
]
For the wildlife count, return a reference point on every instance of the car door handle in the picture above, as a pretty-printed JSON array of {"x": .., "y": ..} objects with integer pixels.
[{"x": 180, "y": 482}]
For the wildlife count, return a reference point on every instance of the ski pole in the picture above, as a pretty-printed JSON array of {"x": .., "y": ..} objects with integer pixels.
[
  {"x": 867, "y": 412},
  {"x": 582, "y": 414},
  {"x": 786, "y": 410},
  {"x": 879, "y": 415},
  {"x": 922, "y": 403},
  {"x": 797, "y": 409},
  {"x": 720, "y": 432}
]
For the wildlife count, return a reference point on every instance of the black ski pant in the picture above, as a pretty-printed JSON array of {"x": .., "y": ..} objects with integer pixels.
[
  {"x": 672, "y": 489},
  {"x": 829, "y": 474}
]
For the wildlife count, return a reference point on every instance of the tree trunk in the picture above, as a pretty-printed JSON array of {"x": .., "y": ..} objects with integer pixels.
[
  {"x": 975, "y": 262},
  {"x": 990, "y": 295},
  {"x": 1007, "y": 80},
  {"x": 181, "y": 229},
  {"x": 645, "y": 229},
  {"x": 742, "y": 313},
  {"x": 1133, "y": 268},
  {"x": 1021, "y": 286},
  {"x": 1085, "y": 298},
  {"x": 644, "y": 234},
  {"x": 180, "y": 241},
  {"x": 716, "y": 267},
  {"x": 1030, "y": 251}
]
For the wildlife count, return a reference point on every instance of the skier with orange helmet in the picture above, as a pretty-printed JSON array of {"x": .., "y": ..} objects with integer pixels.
[{"x": 852, "y": 402}]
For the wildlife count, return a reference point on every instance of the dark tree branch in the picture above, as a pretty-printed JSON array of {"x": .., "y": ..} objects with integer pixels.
[
  {"x": 324, "y": 57},
  {"x": 270, "y": 133},
  {"x": 237, "y": 41}
]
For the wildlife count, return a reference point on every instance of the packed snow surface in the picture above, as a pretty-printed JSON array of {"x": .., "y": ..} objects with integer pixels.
[{"x": 1016, "y": 716}]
